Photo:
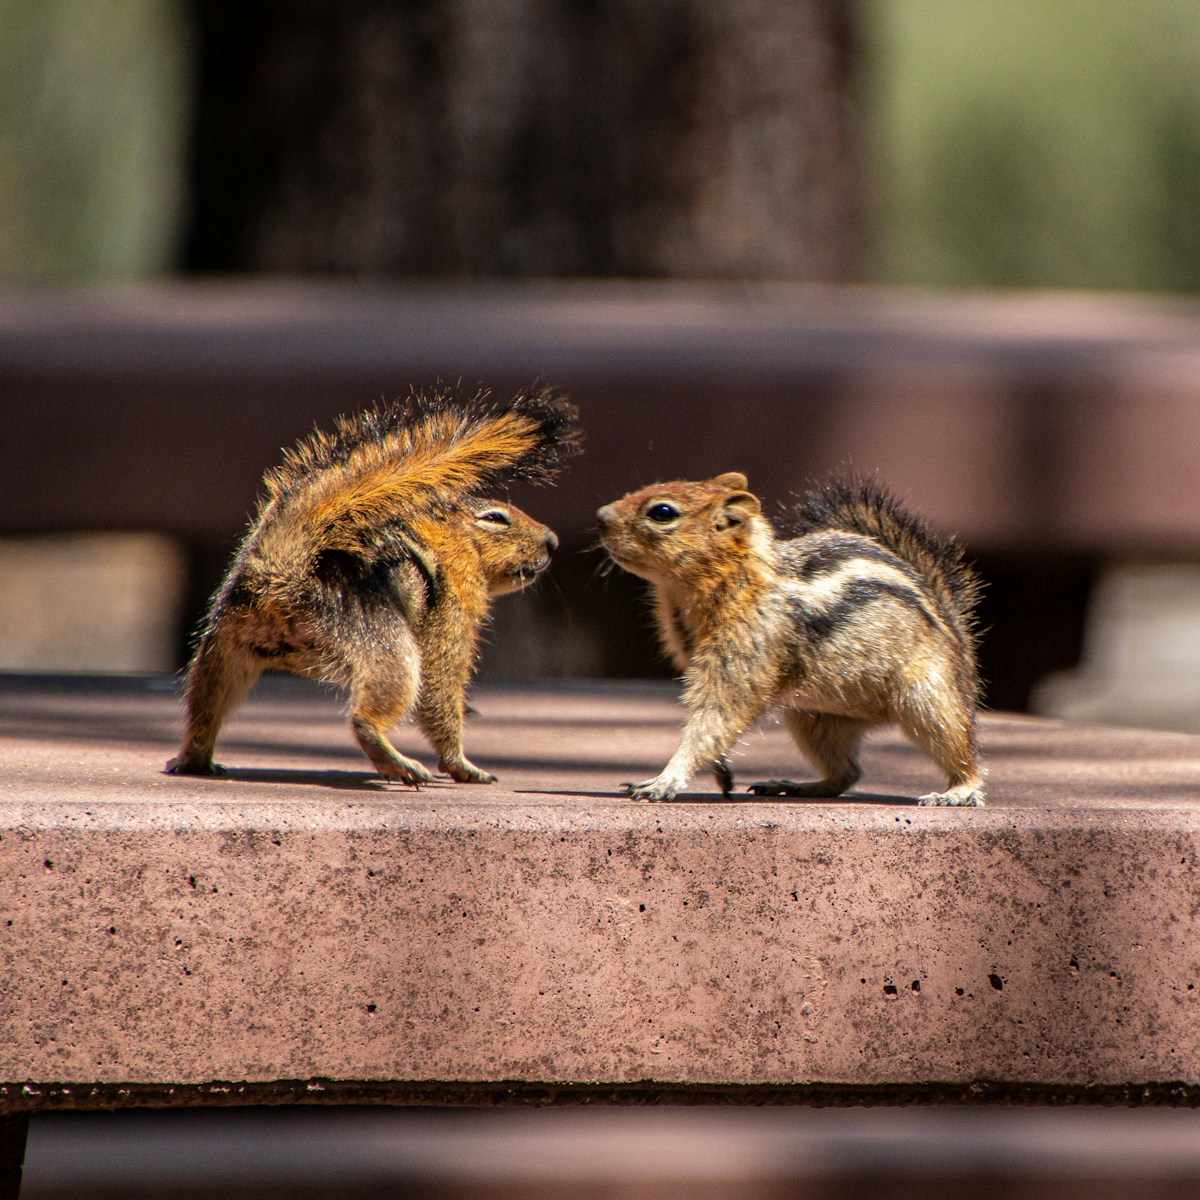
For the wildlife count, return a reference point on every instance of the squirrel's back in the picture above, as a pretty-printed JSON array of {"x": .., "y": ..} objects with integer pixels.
[{"x": 864, "y": 507}]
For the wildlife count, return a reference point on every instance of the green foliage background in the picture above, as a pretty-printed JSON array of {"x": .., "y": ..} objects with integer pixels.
[
  {"x": 91, "y": 137},
  {"x": 1035, "y": 142}
]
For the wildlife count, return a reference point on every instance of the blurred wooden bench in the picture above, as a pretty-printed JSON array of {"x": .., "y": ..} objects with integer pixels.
[
  {"x": 1021, "y": 420},
  {"x": 1052, "y": 431}
]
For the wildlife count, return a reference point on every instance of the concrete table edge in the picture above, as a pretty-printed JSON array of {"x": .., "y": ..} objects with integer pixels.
[{"x": 205, "y": 943}]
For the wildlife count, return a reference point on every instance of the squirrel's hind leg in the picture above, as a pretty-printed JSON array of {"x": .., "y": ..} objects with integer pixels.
[
  {"x": 831, "y": 743},
  {"x": 372, "y": 714},
  {"x": 962, "y": 795},
  {"x": 218, "y": 680},
  {"x": 382, "y": 693},
  {"x": 444, "y": 730},
  {"x": 949, "y": 739}
]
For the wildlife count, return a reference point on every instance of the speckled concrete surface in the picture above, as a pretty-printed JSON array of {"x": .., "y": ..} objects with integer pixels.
[{"x": 297, "y": 920}]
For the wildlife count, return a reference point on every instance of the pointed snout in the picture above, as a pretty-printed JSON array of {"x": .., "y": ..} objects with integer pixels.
[{"x": 604, "y": 515}]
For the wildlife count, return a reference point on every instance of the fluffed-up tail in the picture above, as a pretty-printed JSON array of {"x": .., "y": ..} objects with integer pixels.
[
  {"x": 391, "y": 464},
  {"x": 864, "y": 506}
]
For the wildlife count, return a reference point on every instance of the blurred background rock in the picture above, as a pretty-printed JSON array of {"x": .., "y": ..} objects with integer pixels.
[{"x": 91, "y": 602}]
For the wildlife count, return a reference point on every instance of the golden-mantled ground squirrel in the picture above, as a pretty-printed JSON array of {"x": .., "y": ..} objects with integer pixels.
[
  {"x": 863, "y": 619},
  {"x": 370, "y": 564}
]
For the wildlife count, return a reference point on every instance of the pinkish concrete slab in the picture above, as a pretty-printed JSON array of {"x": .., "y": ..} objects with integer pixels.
[{"x": 297, "y": 921}]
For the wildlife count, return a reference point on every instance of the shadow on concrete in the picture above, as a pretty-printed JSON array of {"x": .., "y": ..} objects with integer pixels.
[
  {"x": 736, "y": 798},
  {"x": 338, "y": 780}
]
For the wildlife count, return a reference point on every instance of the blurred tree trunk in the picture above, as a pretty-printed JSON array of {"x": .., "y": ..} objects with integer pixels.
[{"x": 526, "y": 137}]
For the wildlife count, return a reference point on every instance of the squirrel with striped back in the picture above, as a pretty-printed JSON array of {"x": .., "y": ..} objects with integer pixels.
[
  {"x": 864, "y": 618},
  {"x": 371, "y": 563}
]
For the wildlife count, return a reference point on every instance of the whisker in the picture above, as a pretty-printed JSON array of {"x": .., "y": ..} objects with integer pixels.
[
  {"x": 552, "y": 582},
  {"x": 602, "y": 570}
]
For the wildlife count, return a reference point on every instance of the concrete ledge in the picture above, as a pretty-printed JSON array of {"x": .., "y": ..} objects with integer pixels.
[
  {"x": 21, "y": 1100},
  {"x": 545, "y": 939}
]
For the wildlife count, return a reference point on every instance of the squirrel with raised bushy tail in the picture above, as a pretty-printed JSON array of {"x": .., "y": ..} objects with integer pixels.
[
  {"x": 863, "y": 619},
  {"x": 371, "y": 563}
]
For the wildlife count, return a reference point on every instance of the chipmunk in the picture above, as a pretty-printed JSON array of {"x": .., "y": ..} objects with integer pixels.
[
  {"x": 863, "y": 619},
  {"x": 370, "y": 564}
]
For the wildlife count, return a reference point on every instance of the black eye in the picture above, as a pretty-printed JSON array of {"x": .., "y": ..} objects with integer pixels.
[
  {"x": 494, "y": 516},
  {"x": 662, "y": 512}
]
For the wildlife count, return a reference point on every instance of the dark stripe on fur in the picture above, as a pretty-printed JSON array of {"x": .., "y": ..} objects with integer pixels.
[
  {"x": 279, "y": 650},
  {"x": 369, "y": 579},
  {"x": 431, "y": 578},
  {"x": 824, "y": 623},
  {"x": 825, "y": 560}
]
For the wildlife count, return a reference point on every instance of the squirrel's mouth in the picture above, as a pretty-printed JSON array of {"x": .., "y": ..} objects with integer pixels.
[
  {"x": 627, "y": 561},
  {"x": 529, "y": 570},
  {"x": 633, "y": 565},
  {"x": 518, "y": 577}
]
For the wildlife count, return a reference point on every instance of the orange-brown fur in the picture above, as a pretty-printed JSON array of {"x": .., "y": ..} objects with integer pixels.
[
  {"x": 371, "y": 564},
  {"x": 862, "y": 620}
]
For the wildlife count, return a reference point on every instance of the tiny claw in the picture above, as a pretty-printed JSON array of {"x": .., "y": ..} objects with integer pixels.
[
  {"x": 722, "y": 768},
  {"x": 412, "y": 775},
  {"x": 650, "y": 791},
  {"x": 413, "y": 783}
]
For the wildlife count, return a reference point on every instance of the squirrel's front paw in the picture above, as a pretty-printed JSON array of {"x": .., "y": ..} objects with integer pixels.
[
  {"x": 465, "y": 771},
  {"x": 403, "y": 770},
  {"x": 652, "y": 790}
]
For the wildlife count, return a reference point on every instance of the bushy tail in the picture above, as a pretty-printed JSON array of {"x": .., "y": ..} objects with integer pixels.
[
  {"x": 390, "y": 465},
  {"x": 866, "y": 507}
]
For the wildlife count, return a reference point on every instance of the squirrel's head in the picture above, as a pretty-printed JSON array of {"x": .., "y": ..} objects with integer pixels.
[
  {"x": 684, "y": 530},
  {"x": 513, "y": 548}
]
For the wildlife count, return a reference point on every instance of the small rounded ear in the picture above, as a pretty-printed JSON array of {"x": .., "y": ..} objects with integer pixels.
[
  {"x": 739, "y": 506},
  {"x": 732, "y": 479}
]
